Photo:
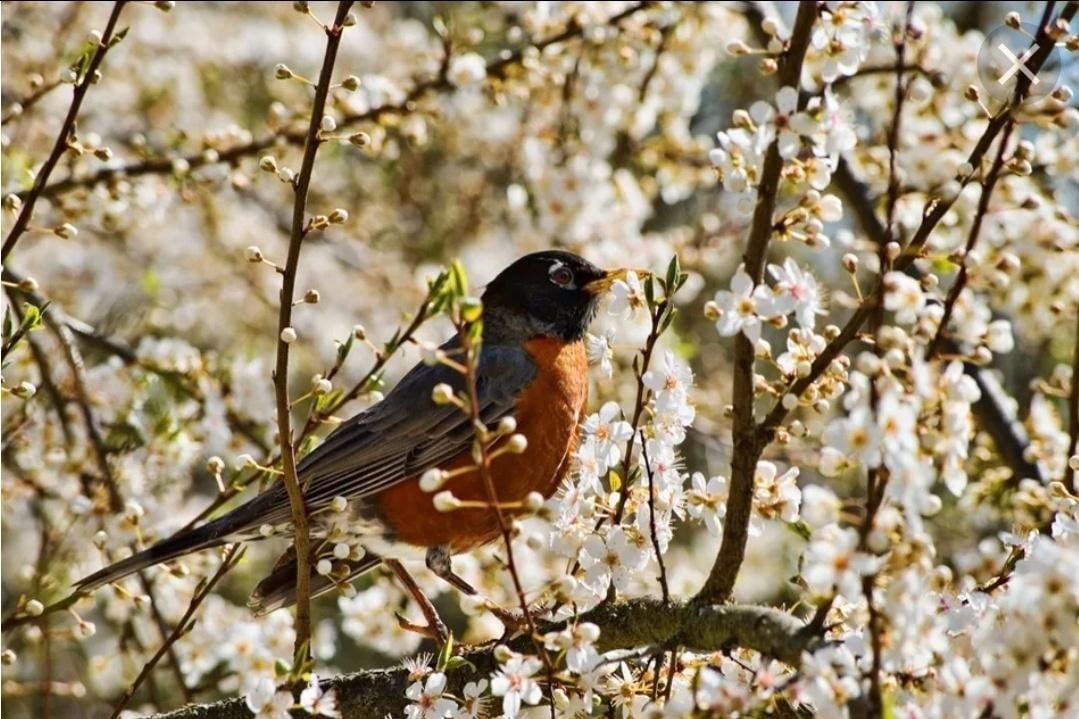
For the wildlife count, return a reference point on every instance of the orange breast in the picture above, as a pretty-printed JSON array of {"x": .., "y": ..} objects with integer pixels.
[{"x": 548, "y": 413}]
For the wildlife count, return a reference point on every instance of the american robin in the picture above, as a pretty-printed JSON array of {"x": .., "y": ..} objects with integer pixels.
[{"x": 532, "y": 366}]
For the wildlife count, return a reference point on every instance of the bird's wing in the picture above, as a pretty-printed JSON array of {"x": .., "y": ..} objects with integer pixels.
[{"x": 407, "y": 433}]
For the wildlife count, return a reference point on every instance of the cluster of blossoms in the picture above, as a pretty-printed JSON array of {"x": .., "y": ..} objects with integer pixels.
[{"x": 941, "y": 560}]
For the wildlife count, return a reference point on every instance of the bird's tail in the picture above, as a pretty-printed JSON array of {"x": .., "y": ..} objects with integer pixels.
[{"x": 234, "y": 526}]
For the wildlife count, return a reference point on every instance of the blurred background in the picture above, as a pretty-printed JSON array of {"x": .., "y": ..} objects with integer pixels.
[{"x": 597, "y": 143}]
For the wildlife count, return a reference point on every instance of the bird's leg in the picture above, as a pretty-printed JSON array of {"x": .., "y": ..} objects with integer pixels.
[
  {"x": 435, "y": 628},
  {"x": 439, "y": 561}
]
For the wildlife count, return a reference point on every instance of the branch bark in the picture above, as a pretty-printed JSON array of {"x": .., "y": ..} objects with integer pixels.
[
  {"x": 67, "y": 129},
  {"x": 497, "y": 68},
  {"x": 747, "y": 441},
  {"x": 301, "y": 538},
  {"x": 378, "y": 693}
]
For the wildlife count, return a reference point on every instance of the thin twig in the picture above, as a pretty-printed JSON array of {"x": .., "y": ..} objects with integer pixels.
[
  {"x": 82, "y": 399},
  {"x": 929, "y": 223},
  {"x": 232, "y": 556},
  {"x": 652, "y": 523},
  {"x": 470, "y": 365},
  {"x": 29, "y": 100},
  {"x": 162, "y": 628},
  {"x": 972, "y": 239},
  {"x": 1073, "y": 417},
  {"x": 301, "y": 538},
  {"x": 747, "y": 442},
  {"x": 498, "y": 68},
  {"x": 67, "y": 130},
  {"x": 877, "y": 477}
]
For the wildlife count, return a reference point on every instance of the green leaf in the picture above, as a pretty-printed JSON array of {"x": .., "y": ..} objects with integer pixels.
[
  {"x": 457, "y": 662},
  {"x": 445, "y": 654},
  {"x": 343, "y": 348},
  {"x": 458, "y": 279},
  {"x": 118, "y": 37},
  {"x": 674, "y": 269}
]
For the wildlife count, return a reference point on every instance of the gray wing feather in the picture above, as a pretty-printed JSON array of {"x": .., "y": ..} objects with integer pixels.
[{"x": 406, "y": 433}]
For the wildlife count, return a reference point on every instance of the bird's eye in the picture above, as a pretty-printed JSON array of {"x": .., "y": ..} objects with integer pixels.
[{"x": 561, "y": 276}]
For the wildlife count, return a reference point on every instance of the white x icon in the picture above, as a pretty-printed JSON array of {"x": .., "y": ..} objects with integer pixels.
[{"x": 1019, "y": 64}]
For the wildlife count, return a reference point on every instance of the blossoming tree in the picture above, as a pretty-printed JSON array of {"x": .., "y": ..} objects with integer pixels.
[{"x": 830, "y": 466}]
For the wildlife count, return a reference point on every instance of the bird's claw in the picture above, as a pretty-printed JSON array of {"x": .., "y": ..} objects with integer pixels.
[{"x": 434, "y": 630}]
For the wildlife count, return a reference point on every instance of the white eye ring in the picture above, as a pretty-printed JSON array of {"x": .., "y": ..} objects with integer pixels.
[{"x": 561, "y": 275}]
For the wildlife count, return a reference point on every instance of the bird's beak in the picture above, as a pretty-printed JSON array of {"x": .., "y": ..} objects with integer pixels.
[{"x": 603, "y": 283}]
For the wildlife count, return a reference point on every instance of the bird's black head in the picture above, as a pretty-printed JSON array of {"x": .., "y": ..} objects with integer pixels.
[{"x": 550, "y": 293}]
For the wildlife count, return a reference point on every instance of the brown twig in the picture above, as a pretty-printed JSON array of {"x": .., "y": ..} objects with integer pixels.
[
  {"x": 67, "y": 130},
  {"x": 232, "y": 556},
  {"x": 29, "y": 100},
  {"x": 300, "y": 229},
  {"x": 163, "y": 629},
  {"x": 666, "y": 592},
  {"x": 877, "y": 477},
  {"x": 73, "y": 357},
  {"x": 748, "y": 443},
  {"x": 972, "y": 239},
  {"x": 498, "y": 68},
  {"x": 1073, "y": 417},
  {"x": 929, "y": 223},
  {"x": 470, "y": 360}
]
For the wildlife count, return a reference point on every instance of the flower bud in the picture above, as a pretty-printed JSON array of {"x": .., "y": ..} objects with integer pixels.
[
  {"x": 268, "y": 163},
  {"x": 339, "y": 504},
  {"x": 432, "y": 480},
  {"x": 444, "y": 501},
  {"x": 7, "y": 657},
  {"x": 66, "y": 231},
  {"x": 341, "y": 550},
  {"x": 266, "y": 530},
  {"x": 288, "y": 335},
  {"x": 311, "y": 297},
  {"x": 1012, "y": 20},
  {"x": 442, "y": 394},
  {"x": 282, "y": 72},
  {"x": 360, "y": 139},
  {"x": 324, "y": 567},
  {"x": 359, "y": 332},
  {"x": 471, "y": 309},
  {"x": 533, "y": 502},
  {"x": 507, "y": 425},
  {"x": 35, "y": 608},
  {"x": 24, "y": 390},
  {"x": 351, "y": 83},
  {"x": 338, "y": 216},
  {"x": 215, "y": 465},
  {"x": 517, "y": 444},
  {"x": 328, "y": 124},
  {"x": 850, "y": 262},
  {"x": 323, "y": 386}
]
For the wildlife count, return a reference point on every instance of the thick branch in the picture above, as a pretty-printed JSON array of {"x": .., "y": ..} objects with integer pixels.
[
  {"x": 301, "y": 537},
  {"x": 67, "y": 129},
  {"x": 747, "y": 444},
  {"x": 626, "y": 625}
]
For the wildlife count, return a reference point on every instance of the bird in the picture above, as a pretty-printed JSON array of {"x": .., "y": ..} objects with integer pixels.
[{"x": 532, "y": 366}]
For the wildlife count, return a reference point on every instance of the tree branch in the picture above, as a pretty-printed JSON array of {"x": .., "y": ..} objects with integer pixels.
[
  {"x": 747, "y": 443},
  {"x": 67, "y": 129},
  {"x": 497, "y": 68},
  {"x": 301, "y": 538},
  {"x": 377, "y": 693}
]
